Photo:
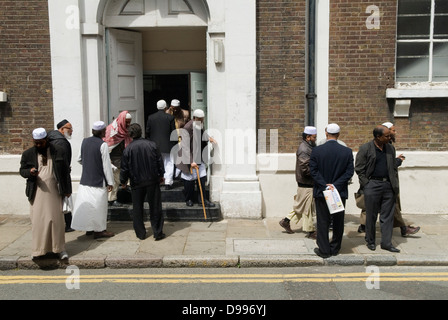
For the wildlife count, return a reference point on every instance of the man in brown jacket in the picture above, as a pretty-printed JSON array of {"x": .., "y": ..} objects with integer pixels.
[{"x": 303, "y": 201}]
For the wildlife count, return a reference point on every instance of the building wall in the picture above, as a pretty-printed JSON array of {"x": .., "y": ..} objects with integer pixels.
[
  {"x": 362, "y": 67},
  {"x": 25, "y": 73},
  {"x": 281, "y": 65}
]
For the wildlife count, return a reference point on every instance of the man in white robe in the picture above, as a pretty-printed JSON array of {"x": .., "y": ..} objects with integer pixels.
[{"x": 90, "y": 211}]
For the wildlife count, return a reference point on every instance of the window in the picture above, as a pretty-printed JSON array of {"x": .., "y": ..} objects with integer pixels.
[{"x": 422, "y": 41}]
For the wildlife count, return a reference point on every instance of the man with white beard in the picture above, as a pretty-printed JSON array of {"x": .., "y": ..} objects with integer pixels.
[
  {"x": 190, "y": 156},
  {"x": 60, "y": 137}
]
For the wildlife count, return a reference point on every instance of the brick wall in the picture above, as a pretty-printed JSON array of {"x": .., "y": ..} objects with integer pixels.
[
  {"x": 25, "y": 73},
  {"x": 362, "y": 67},
  {"x": 281, "y": 64}
]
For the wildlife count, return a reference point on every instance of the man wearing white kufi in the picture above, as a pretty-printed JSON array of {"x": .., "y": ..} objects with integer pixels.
[
  {"x": 303, "y": 207},
  {"x": 47, "y": 177},
  {"x": 189, "y": 159},
  {"x": 90, "y": 212}
]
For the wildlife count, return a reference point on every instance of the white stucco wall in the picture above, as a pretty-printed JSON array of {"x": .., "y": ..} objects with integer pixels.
[{"x": 422, "y": 184}]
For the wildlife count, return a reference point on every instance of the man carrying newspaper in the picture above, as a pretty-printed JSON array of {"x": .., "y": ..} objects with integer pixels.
[{"x": 331, "y": 166}]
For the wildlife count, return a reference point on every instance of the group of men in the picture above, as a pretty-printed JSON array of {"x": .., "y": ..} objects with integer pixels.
[
  {"x": 329, "y": 166},
  {"x": 114, "y": 155}
]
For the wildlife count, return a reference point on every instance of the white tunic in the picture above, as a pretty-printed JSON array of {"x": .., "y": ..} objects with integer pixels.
[{"x": 90, "y": 211}]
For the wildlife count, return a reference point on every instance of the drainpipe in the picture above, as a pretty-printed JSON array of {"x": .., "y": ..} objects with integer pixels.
[{"x": 311, "y": 95}]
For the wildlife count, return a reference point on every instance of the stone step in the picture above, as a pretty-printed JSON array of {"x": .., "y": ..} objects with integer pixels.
[{"x": 172, "y": 211}]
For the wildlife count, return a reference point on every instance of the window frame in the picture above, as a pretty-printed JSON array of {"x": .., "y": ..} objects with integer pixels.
[{"x": 431, "y": 41}]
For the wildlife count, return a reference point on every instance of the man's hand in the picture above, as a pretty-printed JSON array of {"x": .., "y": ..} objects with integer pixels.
[
  {"x": 34, "y": 172},
  {"x": 401, "y": 157},
  {"x": 194, "y": 165},
  {"x": 109, "y": 188}
]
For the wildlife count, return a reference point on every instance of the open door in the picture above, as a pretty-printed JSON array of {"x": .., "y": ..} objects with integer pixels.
[
  {"x": 198, "y": 92},
  {"x": 125, "y": 74}
]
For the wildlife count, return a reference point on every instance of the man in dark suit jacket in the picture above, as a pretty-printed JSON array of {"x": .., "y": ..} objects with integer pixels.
[
  {"x": 377, "y": 171},
  {"x": 331, "y": 166},
  {"x": 159, "y": 128}
]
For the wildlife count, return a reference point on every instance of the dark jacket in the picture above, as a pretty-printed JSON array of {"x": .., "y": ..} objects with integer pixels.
[
  {"x": 57, "y": 138},
  {"x": 159, "y": 127},
  {"x": 365, "y": 164},
  {"x": 61, "y": 170},
  {"x": 331, "y": 163},
  {"x": 141, "y": 163},
  {"x": 303, "y": 175}
]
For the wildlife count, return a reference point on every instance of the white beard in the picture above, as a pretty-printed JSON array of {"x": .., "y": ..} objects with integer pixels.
[
  {"x": 198, "y": 125},
  {"x": 67, "y": 135}
]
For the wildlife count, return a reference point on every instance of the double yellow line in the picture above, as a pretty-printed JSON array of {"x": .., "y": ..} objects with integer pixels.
[{"x": 226, "y": 278}]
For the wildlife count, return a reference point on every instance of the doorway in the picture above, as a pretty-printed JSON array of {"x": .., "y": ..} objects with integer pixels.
[{"x": 165, "y": 87}]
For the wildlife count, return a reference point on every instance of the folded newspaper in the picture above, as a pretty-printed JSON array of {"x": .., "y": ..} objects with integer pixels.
[{"x": 334, "y": 201}]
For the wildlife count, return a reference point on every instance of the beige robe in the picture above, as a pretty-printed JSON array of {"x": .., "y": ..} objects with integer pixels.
[
  {"x": 303, "y": 208},
  {"x": 48, "y": 225}
]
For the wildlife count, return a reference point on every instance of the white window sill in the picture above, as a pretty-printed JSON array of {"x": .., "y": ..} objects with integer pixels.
[{"x": 420, "y": 92}]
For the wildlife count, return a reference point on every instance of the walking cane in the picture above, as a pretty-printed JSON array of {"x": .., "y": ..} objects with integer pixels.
[{"x": 200, "y": 189}]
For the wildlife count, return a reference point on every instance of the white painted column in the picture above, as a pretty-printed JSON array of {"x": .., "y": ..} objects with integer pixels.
[
  {"x": 322, "y": 65},
  {"x": 241, "y": 195},
  {"x": 66, "y": 67}
]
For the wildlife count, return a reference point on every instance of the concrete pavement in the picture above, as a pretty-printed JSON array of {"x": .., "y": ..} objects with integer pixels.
[{"x": 224, "y": 243}]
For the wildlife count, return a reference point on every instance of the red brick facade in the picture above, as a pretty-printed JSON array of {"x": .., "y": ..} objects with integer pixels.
[
  {"x": 25, "y": 73},
  {"x": 281, "y": 65}
]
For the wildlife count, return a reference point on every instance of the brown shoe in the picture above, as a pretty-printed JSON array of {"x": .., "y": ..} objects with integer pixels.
[
  {"x": 408, "y": 230},
  {"x": 285, "y": 225},
  {"x": 312, "y": 235},
  {"x": 102, "y": 234}
]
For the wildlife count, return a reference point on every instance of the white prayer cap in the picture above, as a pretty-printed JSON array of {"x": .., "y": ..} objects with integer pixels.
[
  {"x": 161, "y": 104},
  {"x": 388, "y": 124},
  {"x": 333, "y": 128},
  {"x": 310, "y": 130},
  {"x": 39, "y": 134},
  {"x": 128, "y": 116},
  {"x": 198, "y": 113},
  {"x": 175, "y": 103},
  {"x": 99, "y": 125}
]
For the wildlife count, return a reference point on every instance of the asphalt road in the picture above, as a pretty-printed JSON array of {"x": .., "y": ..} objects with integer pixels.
[{"x": 232, "y": 284}]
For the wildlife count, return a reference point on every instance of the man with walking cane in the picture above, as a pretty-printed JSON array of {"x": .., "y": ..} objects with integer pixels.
[{"x": 190, "y": 160}]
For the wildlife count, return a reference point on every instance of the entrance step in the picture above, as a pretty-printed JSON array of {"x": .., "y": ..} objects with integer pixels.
[
  {"x": 172, "y": 211},
  {"x": 173, "y": 206}
]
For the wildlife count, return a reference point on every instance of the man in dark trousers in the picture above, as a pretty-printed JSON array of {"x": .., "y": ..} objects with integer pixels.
[
  {"x": 159, "y": 127},
  {"x": 377, "y": 171},
  {"x": 142, "y": 164},
  {"x": 331, "y": 166},
  {"x": 60, "y": 137}
]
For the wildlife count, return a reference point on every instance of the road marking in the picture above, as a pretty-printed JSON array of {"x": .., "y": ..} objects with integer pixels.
[{"x": 225, "y": 278}]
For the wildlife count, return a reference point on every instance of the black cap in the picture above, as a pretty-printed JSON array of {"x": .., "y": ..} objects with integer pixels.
[{"x": 61, "y": 124}]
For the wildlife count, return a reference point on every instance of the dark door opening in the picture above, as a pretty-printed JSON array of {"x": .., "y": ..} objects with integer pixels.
[{"x": 165, "y": 87}]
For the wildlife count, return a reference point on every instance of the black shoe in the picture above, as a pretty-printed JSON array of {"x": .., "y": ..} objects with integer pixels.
[
  {"x": 168, "y": 187},
  {"x": 142, "y": 237},
  {"x": 159, "y": 237},
  {"x": 391, "y": 249},
  {"x": 321, "y": 254},
  {"x": 371, "y": 246},
  {"x": 68, "y": 229},
  {"x": 189, "y": 203},
  {"x": 207, "y": 203},
  {"x": 362, "y": 228}
]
